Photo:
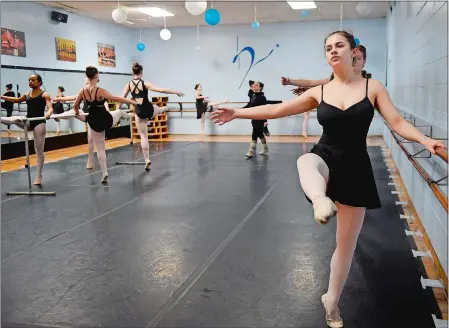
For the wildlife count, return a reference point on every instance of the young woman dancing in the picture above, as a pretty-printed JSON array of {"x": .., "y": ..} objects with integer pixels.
[
  {"x": 9, "y": 106},
  {"x": 257, "y": 98},
  {"x": 202, "y": 104},
  {"x": 99, "y": 119},
  {"x": 36, "y": 101},
  {"x": 336, "y": 175},
  {"x": 58, "y": 108},
  {"x": 144, "y": 109}
]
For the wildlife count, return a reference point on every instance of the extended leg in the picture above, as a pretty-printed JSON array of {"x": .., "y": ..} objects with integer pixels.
[
  {"x": 98, "y": 140},
  {"x": 142, "y": 127},
  {"x": 39, "y": 145},
  {"x": 304, "y": 124},
  {"x": 349, "y": 224},
  {"x": 314, "y": 176}
]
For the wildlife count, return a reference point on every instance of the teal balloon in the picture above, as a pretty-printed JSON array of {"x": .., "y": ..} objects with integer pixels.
[
  {"x": 255, "y": 24},
  {"x": 141, "y": 46},
  {"x": 357, "y": 41},
  {"x": 212, "y": 16},
  {"x": 304, "y": 13}
]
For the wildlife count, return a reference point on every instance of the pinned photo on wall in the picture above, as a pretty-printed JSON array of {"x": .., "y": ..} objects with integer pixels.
[
  {"x": 13, "y": 43},
  {"x": 65, "y": 50},
  {"x": 106, "y": 55}
]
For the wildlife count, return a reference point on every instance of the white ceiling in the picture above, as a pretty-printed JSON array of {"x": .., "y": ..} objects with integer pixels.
[{"x": 232, "y": 11}]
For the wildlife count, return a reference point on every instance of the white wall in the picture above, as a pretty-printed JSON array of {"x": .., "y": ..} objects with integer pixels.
[
  {"x": 417, "y": 81},
  {"x": 40, "y": 32},
  {"x": 178, "y": 65}
]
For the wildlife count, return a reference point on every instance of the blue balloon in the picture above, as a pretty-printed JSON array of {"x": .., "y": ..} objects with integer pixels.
[
  {"x": 212, "y": 16},
  {"x": 256, "y": 24},
  {"x": 304, "y": 13},
  {"x": 141, "y": 46},
  {"x": 357, "y": 41}
]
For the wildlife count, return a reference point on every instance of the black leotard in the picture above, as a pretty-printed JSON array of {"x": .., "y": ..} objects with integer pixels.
[
  {"x": 146, "y": 109},
  {"x": 35, "y": 108},
  {"x": 201, "y": 107},
  {"x": 343, "y": 147},
  {"x": 99, "y": 119}
]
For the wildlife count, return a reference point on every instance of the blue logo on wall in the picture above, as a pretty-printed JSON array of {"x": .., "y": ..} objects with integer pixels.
[{"x": 252, "y": 53}]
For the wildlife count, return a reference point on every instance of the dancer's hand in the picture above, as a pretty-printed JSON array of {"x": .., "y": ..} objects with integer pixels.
[
  {"x": 55, "y": 99},
  {"x": 432, "y": 144},
  {"x": 222, "y": 115},
  {"x": 285, "y": 81},
  {"x": 47, "y": 116},
  {"x": 179, "y": 94}
]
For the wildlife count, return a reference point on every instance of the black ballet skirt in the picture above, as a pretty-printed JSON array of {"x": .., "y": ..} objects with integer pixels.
[
  {"x": 58, "y": 108},
  {"x": 201, "y": 107},
  {"x": 343, "y": 148}
]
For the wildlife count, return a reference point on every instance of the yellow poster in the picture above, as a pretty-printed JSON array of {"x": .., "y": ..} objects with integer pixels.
[
  {"x": 65, "y": 50},
  {"x": 106, "y": 55}
]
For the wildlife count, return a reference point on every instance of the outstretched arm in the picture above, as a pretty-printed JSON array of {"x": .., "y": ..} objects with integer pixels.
[
  {"x": 151, "y": 87},
  {"x": 15, "y": 99},
  {"x": 125, "y": 94},
  {"x": 304, "y": 83},
  {"x": 68, "y": 98},
  {"x": 47, "y": 99},
  {"x": 397, "y": 122},
  {"x": 78, "y": 99},
  {"x": 307, "y": 101},
  {"x": 105, "y": 94}
]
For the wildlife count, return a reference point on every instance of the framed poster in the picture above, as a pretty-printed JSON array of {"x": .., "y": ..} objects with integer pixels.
[
  {"x": 106, "y": 55},
  {"x": 13, "y": 43},
  {"x": 65, "y": 50}
]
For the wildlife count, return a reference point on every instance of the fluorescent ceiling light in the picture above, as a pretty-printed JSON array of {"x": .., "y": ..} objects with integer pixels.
[
  {"x": 298, "y": 5},
  {"x": 155, "y": 12},
  {"x": 130, "y": 22}
]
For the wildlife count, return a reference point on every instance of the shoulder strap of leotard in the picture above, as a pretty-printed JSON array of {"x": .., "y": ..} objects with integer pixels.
[
  {"x": 85, "y": 97},
  {"x": 96, "y": 91},
  {"x": 322, "y": 91},
  {"x": 367, "y": 86}
]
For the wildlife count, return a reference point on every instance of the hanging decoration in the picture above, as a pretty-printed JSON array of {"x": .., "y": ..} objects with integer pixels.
[
  {"x": 119, "y": 15},
  {"x": 255, "y": 24},
  {"x": 196, "y": 7},
  {"x": 357, "y": 41},
  {"x": 212, "y": 15},
  {"x": 304, "y": 13},
  {"x": 165, "y": 34},
  {"x": 140, "y": 45},
  {"x": 364, "y": 8},
  {"x": 198, "y": 37}
]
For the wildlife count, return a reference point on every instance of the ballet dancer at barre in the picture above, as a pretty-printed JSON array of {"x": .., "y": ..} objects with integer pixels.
[
  {"x": 9, "y": 106},
  {"x": 144, "y": 110},
  {"x": 99, "y": 119},
  {"x": 203, "y": 104},
  {"x": 304, "y": 85},
  {"x": 336, "y": 175},
  {"x": 36, "y": 101},
  {"x": 81, "y": 117}
]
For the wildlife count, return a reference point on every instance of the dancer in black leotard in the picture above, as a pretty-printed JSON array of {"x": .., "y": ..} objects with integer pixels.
[
  {"x": 9, "y": 106},
  {"x": 257, "y": 98},
  {"x": 336, "y": 175},
  {"x": 202, "y": 104},
  {"x": 36, "y": 101},
  {"x": 144, "y": 109},
  {"x": 58, "y": 108},
  {"x": 99, "y": 118}
]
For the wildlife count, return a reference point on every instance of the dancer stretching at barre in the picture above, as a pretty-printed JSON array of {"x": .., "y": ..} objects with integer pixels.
[
  {"x": 303, "y": 85},
  {"x": 336, "y": 175},
  {"x": 99, "y": 118},
  {"x": 9, "y": 106},
  {"x": 36, "y": 101},
  {"x": 202, "y": 104},
  {"x": 81, "y": 117},
  {"x": 144, "y": 109}
]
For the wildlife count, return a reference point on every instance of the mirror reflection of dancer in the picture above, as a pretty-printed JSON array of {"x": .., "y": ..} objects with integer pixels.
[
  {"x": 144, "y": 109},
  {"x": 99, "y": 119},
  {"x": 336, "y": 175},
  {"x": 202, "y": 104},
  {"x": 359, "y": 62},
  {"x": 8, "y": 105},
  {"x": 257, "y": 98},
  {"x": 36, "y": 100},
  {"x": 58, "y": 108}
]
